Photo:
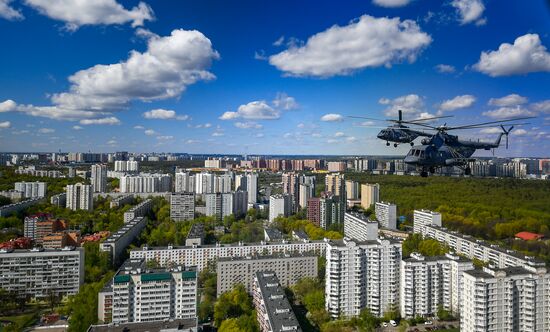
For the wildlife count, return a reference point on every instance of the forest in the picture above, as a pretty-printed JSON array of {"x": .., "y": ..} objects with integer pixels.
[{"x": 487, "y": 208}]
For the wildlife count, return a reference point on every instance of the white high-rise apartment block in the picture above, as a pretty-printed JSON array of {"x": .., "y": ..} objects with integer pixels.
[
  {"x": 141, "y": 294},
  {"x": 430, "y": 282},
  {"x": 221, "y": 205},
  {"x": 306, "y": 192},
  {"x": 252, "y": 187},
  {"x": 146, "y": 183},
  {"x": 279, "y": 205},
  {"x": 510, "y": 299},
  {"x": 352, "y": 189},
  {"x": 99, "y": 178},
  {"x": 31, "y": 189},
  {"x": 240, "y": 182},
  {"x": 425, "y": 218},
  {"x": 204, "y": 255},
  {"x": 223, "y": 183},
  {"x": 80, "y": 197},
  {"x": 182, "y": 206},
  {"x": 362, "y": 275},
  {"x": 185, "y": 182},
  {"x": 204, "y": 183},
  {"x": 335, "y": 184},
  {"x": 360, "y": 228},
  {"x": 39, "y": 273},
  {"x": 126, "y": 166},
  {"x": 213, "y": 163},
  {"x": 386, "y": 214},
  {"x": 370, "y": 194}
]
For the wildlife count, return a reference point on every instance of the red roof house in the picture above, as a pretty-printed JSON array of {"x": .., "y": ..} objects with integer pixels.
[{"x": 528, "y": 236}]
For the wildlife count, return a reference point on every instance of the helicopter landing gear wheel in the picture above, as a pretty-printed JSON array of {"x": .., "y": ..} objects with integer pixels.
[
  {"x": 394, "y": 145},
  {"x": 467, "y": 171},
  {"x": 432, "y": 170},
  {"x": 387, "y": 143},
  {"x": 424, "y": 174}
]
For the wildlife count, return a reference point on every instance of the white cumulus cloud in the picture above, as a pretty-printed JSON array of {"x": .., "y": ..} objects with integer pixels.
[
  {"x": 541, "y": 106},
  {"x": 255, "y": 110},
  {"x": 391, "y": 3},
  {"x": 526, "y": 55},
  {"x": 248, "y": 125},
  {"x": 332, "y": 117},
  {"x": 102, "y": 121},
  {"x": 457, "y": 102},
  {"x": 285, "y": 102},
  {"x": 408, "y": 104},
  {"x": 149, "y": 132},
  {"x": 163, "y": 114},
  {"x": 509, "y": 100},
  {"x": 7, "y": 106},
  {"x": 470, "y": 11},
  {"x": 508, "y": 112},
  {"x": 445, "y": 69},
  {"x": 8, "y": 12},
  {"x": 364, "y": 42},
  {"x": 76, "y": 13},
  {"x": 5, "y": 124},
  {"x": 77, "y": 128}
]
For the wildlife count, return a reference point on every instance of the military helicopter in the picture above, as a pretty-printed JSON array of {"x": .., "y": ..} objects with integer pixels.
[
  {"x": 399, "y": 133},
  {"x": 443, "y": 149}
]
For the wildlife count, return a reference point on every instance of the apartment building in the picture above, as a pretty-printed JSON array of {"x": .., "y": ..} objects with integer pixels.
[
  {"x": 240, "y": 270},
  {"x": 423, "y": 218},
  {"x": 182, "y": 206},
  {"x": 80, "y": 197},
  {"x": 39, "y": 273},
  {"x": 430, "y": 282},
  {"x": 359, "y": 227},
  {"x": 121, "y": 200},
  {"x": 200, "y": 256},
  {"x": 273, "y": 310},
  {"x": 280, "y": 205},
  {"x": 31, "y": 189},
  {"x": 10, "y": 209},
  {"x": 386, "y": 214},
  {"x": 362, "y": 274},
  {"x": 142, "y": 294},
  {"x": 370, "y": 194},
  {"x": 117, "y": 242},
  {"x": 509, "y": 299},
  {"x": 139, "y": 210},
  {"x": 99, "y": 178},
  {"x": 145, "y": 183}
]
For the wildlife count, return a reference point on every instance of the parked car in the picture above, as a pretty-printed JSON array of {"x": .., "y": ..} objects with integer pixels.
[
  {"x": 428, "y": 322},
  {"x": 393, "y": 323},
  {"x": 384, "y": 324}
]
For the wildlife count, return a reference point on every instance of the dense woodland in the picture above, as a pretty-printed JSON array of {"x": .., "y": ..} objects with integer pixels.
[{"x": 490, "y": 209}]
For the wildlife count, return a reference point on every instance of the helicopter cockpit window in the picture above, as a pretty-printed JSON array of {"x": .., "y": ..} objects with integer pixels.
[
  {"x": 417, "y": 153},
  {"x": 421, "y": 154}
]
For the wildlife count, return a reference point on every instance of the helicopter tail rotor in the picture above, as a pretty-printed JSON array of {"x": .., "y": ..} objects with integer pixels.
[{"x": 506, "y": 133}]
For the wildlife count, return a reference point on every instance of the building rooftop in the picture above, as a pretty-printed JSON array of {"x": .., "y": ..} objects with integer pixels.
[
  {"x": 186, "y": 325},
  {"x": 125, "y": 229},
  {"x": 273, "y": 234},
  {"x": 416, "y": 257},
  {"x": 279, "y": 311},
  {"x": 261, "y": 257},
  {"x": 342, "y": 242},
  {"x": 136, "y": 266},
  {"x": 219, "y": 245},
  {"x": 300, "y": 234},
  {"x": 196, "y": 231},
  {"x": 529, "y": 236}
]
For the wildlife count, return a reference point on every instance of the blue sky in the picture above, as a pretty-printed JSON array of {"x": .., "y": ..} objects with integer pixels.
[{"x": 274, "y": 77}]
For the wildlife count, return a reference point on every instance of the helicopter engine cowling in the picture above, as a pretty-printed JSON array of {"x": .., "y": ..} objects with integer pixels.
[{"x": 425, "y": 141}]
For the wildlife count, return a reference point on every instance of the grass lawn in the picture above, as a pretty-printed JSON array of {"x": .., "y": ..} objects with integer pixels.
[{"x": 19, "y": 322}]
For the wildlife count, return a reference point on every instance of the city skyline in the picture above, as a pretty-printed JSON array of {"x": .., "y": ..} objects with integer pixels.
[{"x": 267, "y": 78}]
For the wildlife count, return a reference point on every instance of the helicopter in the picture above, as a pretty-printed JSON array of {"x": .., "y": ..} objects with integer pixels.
[
  {"x": 443, "y": 149},
  {"x": 398, "y": 133}
]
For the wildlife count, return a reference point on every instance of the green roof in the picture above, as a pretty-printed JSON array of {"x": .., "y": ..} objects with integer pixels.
[
  {"x": 122, "y": 278},
  {"x": 189, "y": 274},
  {"x": 156, "y": 276}
]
